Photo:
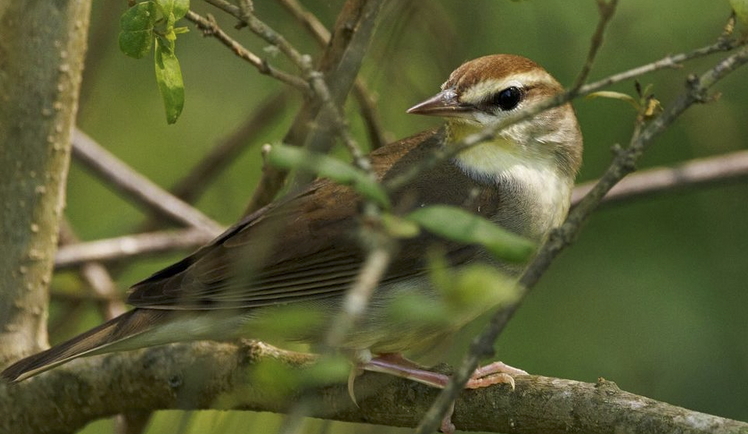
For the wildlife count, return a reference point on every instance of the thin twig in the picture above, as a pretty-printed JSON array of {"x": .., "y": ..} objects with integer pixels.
[
  {"x": 138, "y": 188},
  {"x": 693, "y": 174},
  {"x": 357, "y": 298},
  {"x": 115, "y": 249},
  {"x": 209, "y": 27},
  {"x": 606, "y": 10},
  {"x": 623, "y": 164}
]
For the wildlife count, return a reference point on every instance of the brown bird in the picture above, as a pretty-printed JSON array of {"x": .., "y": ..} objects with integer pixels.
[{"x": 303, "y": 251}]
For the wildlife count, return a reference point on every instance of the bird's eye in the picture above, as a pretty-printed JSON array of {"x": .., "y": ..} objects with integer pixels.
[{"x": 508, "y": 98}]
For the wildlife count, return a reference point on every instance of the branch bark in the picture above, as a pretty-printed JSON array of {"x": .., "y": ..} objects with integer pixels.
[
  {"x": 40, "y": 87},
  {"x": 218, "y": 375}
]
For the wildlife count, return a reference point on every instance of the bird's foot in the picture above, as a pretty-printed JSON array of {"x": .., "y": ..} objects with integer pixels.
[{"x": 397, "y": 365}]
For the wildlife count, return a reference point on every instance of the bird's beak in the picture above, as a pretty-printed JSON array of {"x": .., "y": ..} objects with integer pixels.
[{"x": 444, "y": 103}]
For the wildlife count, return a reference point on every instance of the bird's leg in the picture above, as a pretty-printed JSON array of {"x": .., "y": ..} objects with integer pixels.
[{"x": 397, "y": 365}]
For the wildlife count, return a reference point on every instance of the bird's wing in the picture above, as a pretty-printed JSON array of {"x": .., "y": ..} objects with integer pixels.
[{"x": 307, "y": 247}]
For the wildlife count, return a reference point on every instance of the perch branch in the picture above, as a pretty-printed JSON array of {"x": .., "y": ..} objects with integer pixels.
[{"x": 208, "y": 375}]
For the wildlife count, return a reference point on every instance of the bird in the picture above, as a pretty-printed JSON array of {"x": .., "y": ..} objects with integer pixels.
[{"x": 302, "y": 251}]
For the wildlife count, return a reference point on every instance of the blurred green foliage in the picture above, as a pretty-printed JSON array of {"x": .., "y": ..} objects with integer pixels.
[{"x": 653, "y": 294}]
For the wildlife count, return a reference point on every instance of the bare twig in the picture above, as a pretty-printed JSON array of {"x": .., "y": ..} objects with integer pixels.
[
  {"x": 623, "y": 164},
  {"x": 114, "y": 249},
  {"x": 209, "y": 27},
  {"x": 695, "y": 173},
  {"x": 607, "y": 9},
  {"x": 137, "y": 187},
  {"x": 214, "y": 375}
]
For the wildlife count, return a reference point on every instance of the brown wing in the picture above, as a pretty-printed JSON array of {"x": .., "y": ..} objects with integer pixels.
[{"x": 306, "y": 247}]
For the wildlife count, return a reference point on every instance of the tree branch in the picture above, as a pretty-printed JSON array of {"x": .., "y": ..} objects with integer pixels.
[
  {"x": 209, "y": 375},
  {"x": 360, "y": 91},
  {"x": 693, "y": 174},
  {"x": 209, "y": 27},
  {"x": 137, "y": 187},
  {"x": 40, "y": 90},
  {"x": 128, "y": 246},
  {"x": 342, "y": 36}
]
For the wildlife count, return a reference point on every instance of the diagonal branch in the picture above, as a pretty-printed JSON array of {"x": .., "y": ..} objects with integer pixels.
[
  {"x": 209, "y": 27},
  {"x": 137, "y": 187}
]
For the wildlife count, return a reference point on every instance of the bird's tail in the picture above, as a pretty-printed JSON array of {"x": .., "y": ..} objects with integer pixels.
[{"x": 97, "y": 340}]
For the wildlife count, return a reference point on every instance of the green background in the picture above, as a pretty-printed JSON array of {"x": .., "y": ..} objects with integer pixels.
[{"x": 653, "y": 294}]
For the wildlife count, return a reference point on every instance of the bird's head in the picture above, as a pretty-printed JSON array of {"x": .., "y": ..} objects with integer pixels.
[{"x": 483, "y": 92}]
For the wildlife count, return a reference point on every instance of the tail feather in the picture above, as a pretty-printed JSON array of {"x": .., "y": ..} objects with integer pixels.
[{"x": 95, "y": 341}]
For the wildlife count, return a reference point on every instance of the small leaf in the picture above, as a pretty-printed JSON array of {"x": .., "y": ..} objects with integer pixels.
[
  {"x": 290, "y": 157},
  {"x": 653, "y": 108},
  {"x": 741, "y": 10},
  {"x": 615, "y": 95},
  {"x": 482, "y": 284},
  {"x": 399, "y": 227},
  {"x": 462, "y": 226},
  {"x": 169, "y": 79},
  {"x": 178, "y": 8},
  {"x": 136, "y": 36}
]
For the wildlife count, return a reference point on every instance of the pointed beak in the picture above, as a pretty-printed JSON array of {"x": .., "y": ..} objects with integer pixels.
[{"x": 444, "y": 104}]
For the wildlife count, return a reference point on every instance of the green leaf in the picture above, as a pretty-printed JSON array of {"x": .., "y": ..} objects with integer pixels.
[
  {"x": 741, "y": 10},
  {"x": 465, "y": 227},
  {"x": 177, "y": 8},
  {"x": 291, "y": 157},
  {"x": 482, "y": 284},
  {"x": 136, "y": 36},
  {"x": 615, "y": 95},
  {"x": 399, "y": 227},
  {"x": 169, "y": 79}
]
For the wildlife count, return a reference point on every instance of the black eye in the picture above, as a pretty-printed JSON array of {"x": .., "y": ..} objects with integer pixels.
[{"x": 508, "y": 98}]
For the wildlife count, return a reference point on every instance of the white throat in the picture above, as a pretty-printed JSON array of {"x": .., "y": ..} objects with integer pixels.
[{"x": 532, "y": 181}]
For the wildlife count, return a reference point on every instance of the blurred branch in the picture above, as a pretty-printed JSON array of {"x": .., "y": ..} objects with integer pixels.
[
  {"x": 137, "y": 187},
  {"x": 100, "y": 282},
  {"x": 214, "y": 162},
  {"x": 115, "y": 249},
  {"x": 360, "y": 91},
  {"x": 623, "y": 163},
  {"x": 693, "y": 174},
  {"x": 208, "y": 375},
  {"x": 209, "y": 27},
  {"x": 339, "y": 63}
]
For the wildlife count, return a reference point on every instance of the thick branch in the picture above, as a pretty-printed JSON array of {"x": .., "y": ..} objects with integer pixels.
[
  {"x": 43, "y": 45},
  {"x": 214, "y": 375}
]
